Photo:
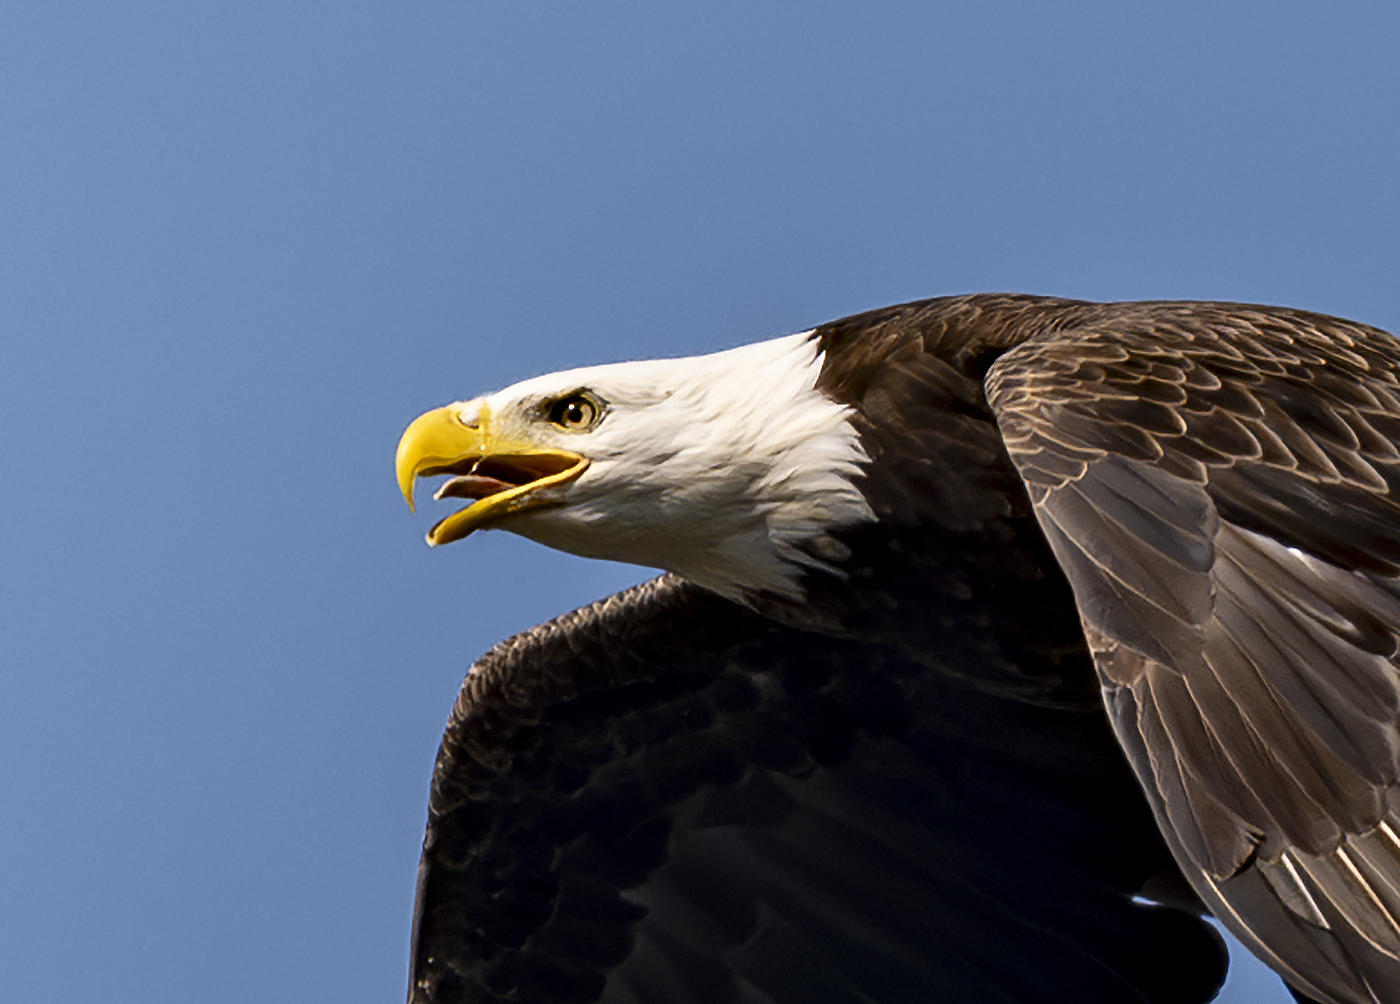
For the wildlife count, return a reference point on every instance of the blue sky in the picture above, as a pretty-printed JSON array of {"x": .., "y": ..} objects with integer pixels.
[{"x": 241, "y": 246}]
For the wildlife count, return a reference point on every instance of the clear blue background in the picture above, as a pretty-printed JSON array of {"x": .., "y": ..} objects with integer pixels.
[{"x": 242, "y": 245}]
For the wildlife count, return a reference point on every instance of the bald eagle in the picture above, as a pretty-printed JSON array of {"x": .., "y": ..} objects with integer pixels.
[{"x": 852, "y": 747}]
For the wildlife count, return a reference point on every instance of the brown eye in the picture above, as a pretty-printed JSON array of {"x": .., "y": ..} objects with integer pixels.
[{"x": 576, "y": 413}]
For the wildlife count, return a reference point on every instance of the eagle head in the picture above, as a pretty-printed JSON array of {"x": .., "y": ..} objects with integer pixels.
[{"x": 733, "y": 470}]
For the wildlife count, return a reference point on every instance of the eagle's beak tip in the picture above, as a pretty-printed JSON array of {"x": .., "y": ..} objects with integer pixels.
[{"x": 434, "y": 437}]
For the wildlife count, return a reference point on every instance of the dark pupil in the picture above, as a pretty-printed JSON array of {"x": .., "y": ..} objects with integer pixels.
[{"x": 573, "y": 412}]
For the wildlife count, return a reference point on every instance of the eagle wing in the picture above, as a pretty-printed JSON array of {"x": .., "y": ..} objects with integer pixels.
[
  {"x": 1221, "y": 484},
  {"x": 665, "y": 797}
]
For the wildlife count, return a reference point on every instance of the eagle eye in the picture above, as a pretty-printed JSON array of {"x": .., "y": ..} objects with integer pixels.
[{"x": 575, "y": 413}]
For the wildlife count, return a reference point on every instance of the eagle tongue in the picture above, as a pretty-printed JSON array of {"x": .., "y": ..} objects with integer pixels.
[{"x": 471, "y": 486}]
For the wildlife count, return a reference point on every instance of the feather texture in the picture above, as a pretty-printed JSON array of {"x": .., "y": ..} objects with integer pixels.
[
  {"x": 1234, "y": 565},
  {"x": 666, "y": 797}
]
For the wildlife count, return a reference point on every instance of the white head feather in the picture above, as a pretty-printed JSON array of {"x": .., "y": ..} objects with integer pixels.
[{"x": 730, "y": 469}]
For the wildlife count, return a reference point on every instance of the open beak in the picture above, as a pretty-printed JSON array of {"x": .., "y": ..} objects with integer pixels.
[{"x": 499, "y": 475}]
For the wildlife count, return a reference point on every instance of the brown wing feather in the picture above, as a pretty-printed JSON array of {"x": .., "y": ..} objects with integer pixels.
[
  {"x": 1222, "y": 486},
  {"x": 664, "y": 798}
]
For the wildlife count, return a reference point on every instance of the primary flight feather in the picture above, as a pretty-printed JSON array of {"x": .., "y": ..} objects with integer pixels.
[{"x": 852, "y": 748}]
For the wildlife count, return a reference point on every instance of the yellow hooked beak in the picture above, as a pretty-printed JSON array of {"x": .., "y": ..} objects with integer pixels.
[{"x": 500, "y": 475}]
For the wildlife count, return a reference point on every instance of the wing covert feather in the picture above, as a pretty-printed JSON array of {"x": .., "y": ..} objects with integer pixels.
[
  {"x": 666, "y": 798},
  {"x": 1221, "y": 484}
]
